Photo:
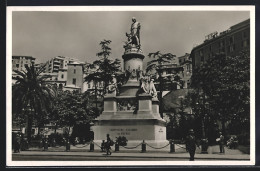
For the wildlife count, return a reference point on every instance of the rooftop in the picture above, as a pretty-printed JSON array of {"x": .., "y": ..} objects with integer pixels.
[
  {"x": 24, "y": 57},
  {"x": 214, "y": 36}
]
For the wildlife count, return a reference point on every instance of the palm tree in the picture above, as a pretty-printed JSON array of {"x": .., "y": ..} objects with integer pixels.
[
  {"x": 156, "y": 63},
  {"x": 31, "y": 95}
]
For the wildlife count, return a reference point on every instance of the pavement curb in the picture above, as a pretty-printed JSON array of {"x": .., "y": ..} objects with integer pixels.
[{"x": 134, "y": 155}]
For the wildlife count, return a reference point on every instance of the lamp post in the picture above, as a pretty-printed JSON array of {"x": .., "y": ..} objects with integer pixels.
[
  {"x": 29, "y": 111},
  {"x": 204, "y": 140},
  {"x": 91, "y": 124}
]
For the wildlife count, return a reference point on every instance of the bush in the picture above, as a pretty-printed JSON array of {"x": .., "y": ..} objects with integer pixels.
[
  {"x": 58, "y": 138},
  {"x": 36, "y": 137},
  {"x": 122, "y": 141},
  {"x": 244, "y": 139}
]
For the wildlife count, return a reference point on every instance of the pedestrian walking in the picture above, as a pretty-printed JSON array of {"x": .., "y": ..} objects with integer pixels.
[
  {"x": 45, "y": 143},
  {"x": 108, "y": 144},
  {"x": 17, "y": 144},
  {"x": 53, "y": 142},
  {"x": 191, "y": 144},
  {"x": 221, "y": 142}
]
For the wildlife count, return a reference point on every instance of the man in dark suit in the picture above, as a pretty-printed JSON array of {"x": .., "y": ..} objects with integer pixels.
[{"x": 191, "y": 144}]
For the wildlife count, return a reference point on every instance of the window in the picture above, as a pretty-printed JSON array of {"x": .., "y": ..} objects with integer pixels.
[
  {"x": 74, "y": 71},
  {"x": 74, "y": 81},
  {"x": 245, "y": 43},
  {"x": 222, "y": 49},
  {"x": 231, "y": 40},
  {"x": 221, "y": 43},
  {"x": 62, "y": 76},
  {"x": 17, "y": 65},
  {"x": 25, "y": 65},
  {"x": 180, "y": 61},
  {"x": 202, "y": 58},
  {"x": 88, "y": 85},
  {"x": 231, "y": 48},
  {"x": 201, "y": 53},
  {"x": 244, "y": 34}
]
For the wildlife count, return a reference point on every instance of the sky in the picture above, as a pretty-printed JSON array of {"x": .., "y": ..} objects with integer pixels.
[{"x": 45, "y": 35}]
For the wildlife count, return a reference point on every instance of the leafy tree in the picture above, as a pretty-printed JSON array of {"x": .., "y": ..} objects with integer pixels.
[
  {"x": 70, "y": 109},
  {"x": 31, "y": 96},
  {"x": 157, "y": 63},
  {"x": 95, "y": 77},
  {"x": 105, "y": 67},
  {"x": 225, "y": 82}
]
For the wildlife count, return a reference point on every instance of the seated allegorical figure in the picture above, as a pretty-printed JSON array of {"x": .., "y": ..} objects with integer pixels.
[
  {"x": 152, "y": 89},
  {"x": 145, "y": 85},
  {"x": 111, "y": 88}
]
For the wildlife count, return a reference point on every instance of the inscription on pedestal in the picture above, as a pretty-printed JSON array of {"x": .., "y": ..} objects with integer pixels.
[{"x": 122, "y": 131}]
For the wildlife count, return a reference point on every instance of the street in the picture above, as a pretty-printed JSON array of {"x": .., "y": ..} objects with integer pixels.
[{"x": 95, "y": 158}]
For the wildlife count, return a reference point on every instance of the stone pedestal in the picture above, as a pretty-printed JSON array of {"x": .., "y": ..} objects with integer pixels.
[
  {"x": 146, "y": 124},
  {"x": 155, "y": 107},
  {"x": 144, "y": 104},
  {"x": 110, "y": 105}
]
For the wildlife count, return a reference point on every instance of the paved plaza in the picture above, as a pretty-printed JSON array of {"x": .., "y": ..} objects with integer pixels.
[{"x": 82, "y": 153}]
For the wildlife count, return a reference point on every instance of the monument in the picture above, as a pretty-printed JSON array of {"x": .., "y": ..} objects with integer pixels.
[{"x": 134, "y": 111}]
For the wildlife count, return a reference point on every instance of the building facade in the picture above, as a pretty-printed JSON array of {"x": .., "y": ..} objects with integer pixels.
[
  {"x": 75, "y": 79},
  {"x": 59, "y": 62},
  {"x": 20, "y": 62},
  {"x": 230, "y": 42},
  {"x": 182, "y": 67},
  {"x": 186, "y": 63}
]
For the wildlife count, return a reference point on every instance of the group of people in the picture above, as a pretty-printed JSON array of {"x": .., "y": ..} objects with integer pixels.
[
  {"x": 191, "y": 143},
  {"x": 20, "y": 143},
  {"x": 232, "y": 143}
]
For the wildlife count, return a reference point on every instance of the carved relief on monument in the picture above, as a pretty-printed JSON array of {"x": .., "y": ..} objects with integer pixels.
[
  {"x": 134, "y": 74},
  {"x": 127, "y": 105}
]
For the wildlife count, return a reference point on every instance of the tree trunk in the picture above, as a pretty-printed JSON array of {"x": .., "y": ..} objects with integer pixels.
[
  {"x": 39, "y": 128},
  {"x": 160, "y": 94},
  {"x": 223, "y": 126},
  {"x": 69, "y": 132},
  {"x": 96, "y": 93},
  {"x": 55, "y": 128},
  {"x": 29, "y": 128}
]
